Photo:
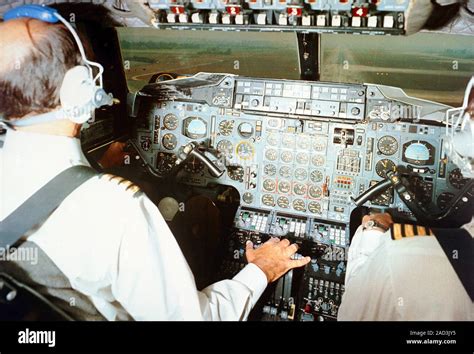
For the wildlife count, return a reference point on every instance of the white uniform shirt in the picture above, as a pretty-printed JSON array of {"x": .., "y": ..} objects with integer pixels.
[
  {"x": 115, "y": 246},
  {"x": 408, "y": 280}
]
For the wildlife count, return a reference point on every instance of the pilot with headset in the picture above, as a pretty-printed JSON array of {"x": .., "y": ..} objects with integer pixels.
[
  {"x": 105, "y": 252},
  {"x": 411, "y": 272}
]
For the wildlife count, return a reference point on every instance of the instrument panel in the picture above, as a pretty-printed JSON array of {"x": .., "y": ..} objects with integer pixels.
[
  {"x": 303, "y": 148},
  {"x": 297, "y": 152},
  {"x": 341, "y": 16}
]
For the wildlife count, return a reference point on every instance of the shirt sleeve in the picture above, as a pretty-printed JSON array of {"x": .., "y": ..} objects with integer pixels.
[{"x": 153, "y": 281}]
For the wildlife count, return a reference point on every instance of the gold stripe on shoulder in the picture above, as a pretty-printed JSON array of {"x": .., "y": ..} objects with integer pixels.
[
  {"x": 400, "y": 231},
  {"x": 125, "y": 184}
]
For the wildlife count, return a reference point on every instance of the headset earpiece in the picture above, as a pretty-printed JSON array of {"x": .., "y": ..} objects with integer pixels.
[{"x": 77, "y": 93}]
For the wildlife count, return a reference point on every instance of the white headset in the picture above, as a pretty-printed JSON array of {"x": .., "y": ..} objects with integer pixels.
[{"x": 81, "y": 92}]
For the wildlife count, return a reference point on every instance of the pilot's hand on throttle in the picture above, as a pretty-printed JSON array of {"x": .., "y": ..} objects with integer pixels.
[
  {"x": 274, "y": 257},
  {"x": 114, "y": 156}
]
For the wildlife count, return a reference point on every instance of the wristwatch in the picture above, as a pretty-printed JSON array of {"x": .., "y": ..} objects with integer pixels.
[{"x": 373, "y": 224}]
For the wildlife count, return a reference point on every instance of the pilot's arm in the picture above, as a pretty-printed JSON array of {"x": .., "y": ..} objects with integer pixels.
[{"x": 153, "y": 281}]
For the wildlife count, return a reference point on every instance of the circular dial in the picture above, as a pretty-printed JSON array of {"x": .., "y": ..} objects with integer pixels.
[
  {"x": 170, "y": 122},
  {"x": 269, "y": 169},
  {"x": 194, "y": 165},
  {"x": 226, "y": 127},
  {"x": 317, "y": 160},
  {"x": 286, "y": 156},
  {"x": 303, "y": 142},
  {"x": 456, "y": 179},
  {"x": 269, "y": 185},
  {"x": 236, "y": 173},
  {"x": 268, "y": 200},
  {"x": 272, "y": 139},
  {"x": 319, "y": 144},
  {"x": 165, "y": 162},
  {"x": 315, "y": 192},
  {"x": 271, "y": 154},
  {"x": 299, "y": 189},
  {"x": 301, "y": 174},
  {"x": 387, "y": 145},
  {"x": 302, "y": 158},
  {"x": 169, "y": 141},
  {"x": 288, "y": 141},
  {"x": 146, "y": 145},
  {"x": 419, "y": 153},
  {"x": 247, "y": 197},
  {"x": 314, "y": 207},
  {"x": 299, "y": 205},
  {"x": 316, "y": 176},
  {"x": 284, "y": 187},
  {"x": 443, "y": 199},
  {"x": 285, "y": 172},
  {"x": 283, "y": 202},
  {"x": 384, "y": 166},
  {"x": 225, "y": 147},
  {"x": 195, "y": 128},
  {"x": 245, "y": 150},
  {"x": 245, "y": 130}
]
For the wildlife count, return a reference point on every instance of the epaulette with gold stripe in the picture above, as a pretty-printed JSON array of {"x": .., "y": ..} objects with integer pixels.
[
  {"x": 400, "y": 231},
  {"x": 122, "y": 182}
]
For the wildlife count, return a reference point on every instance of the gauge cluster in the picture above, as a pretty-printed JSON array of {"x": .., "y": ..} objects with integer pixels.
[{"x": 302, "y": 148}]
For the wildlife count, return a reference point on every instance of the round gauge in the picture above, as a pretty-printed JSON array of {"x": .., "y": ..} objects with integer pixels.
[
  {"x": 245, "y": 130},
  {"x": 245, "y": 150},
  {"x": 303, "y": 142},
  {"x": 314, "y": 207},
  {"x": 384, "y": 166},
  {"x": 301, "y": 174},
  {"x": 286, "y": 156},
  {"x": 299, "y": 189},
  {"x": 387, "y": 145},
  {"x": 302, "y": 158},
  {"x": 443, "y": 199},
  {"x": 419, "y": 153},
  {"x": 170, "y": 122},
  {"x": 299, "y": 205},
  {"x": 226, "y": 127},
  {"x": 316, "y": 176},
  {"x": 268, "y": 200},
  {"x": 146, "y": 145},
  {"x": 195, "y": 128},
  {"x": 269, "y": 185},
  {"x": 225, "y": 147},
  {"x": 315, "y": 192},
  {"x": 317, "y": 160},
  {"x": 285, "y": 172},
  {"x": 271, "y": 154},
  {"x": 284, "y": 187},
  {"x": 235, "y": 173},
  {"x": 165, "y": 162},
  {"x": 169, "y": 141},
  {"x": 194, "y": 165},
  {"x": 288, "y": 141},
  {"x": 272, "y": 139},
  {"x": 269, "y": 169},
  {"x": 283, "y": 202},
  {"x": 247, "y": 197},
  {"x": 319, "y": 144},
  {"x": 456, "y": 179}
]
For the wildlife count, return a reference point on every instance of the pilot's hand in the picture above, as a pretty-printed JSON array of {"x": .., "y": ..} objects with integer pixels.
[
  {"x": 274, "y": 257},
  {"x": 114, "y": 156},
  {"x": 382, "y": 222}
]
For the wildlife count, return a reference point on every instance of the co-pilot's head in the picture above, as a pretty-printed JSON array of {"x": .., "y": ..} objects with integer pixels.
[{"x": 34, "y": 57}]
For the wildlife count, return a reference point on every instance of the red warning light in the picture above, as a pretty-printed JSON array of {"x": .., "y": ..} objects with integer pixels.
[
  {"x": 294, "y": 11},
  {"x": 177, "y": 10},
  {"x": 233, "y": 10},
  {"x": 360, "y": 12}
]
